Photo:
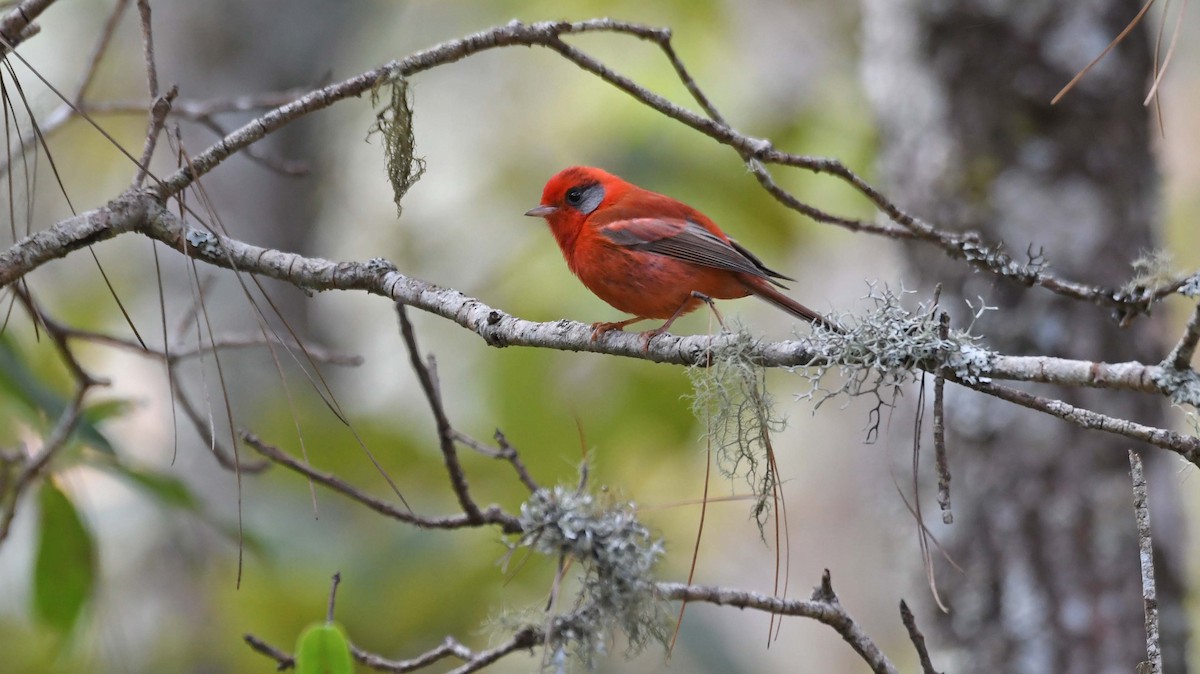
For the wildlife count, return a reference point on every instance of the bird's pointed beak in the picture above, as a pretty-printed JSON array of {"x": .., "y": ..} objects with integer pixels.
[{"x": 540, "y": 211}]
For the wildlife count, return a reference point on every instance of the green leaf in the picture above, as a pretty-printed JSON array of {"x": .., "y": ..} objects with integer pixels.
[
  {"x": 93, "y": 414},
  {"x": 107, "y": 409},
  {"x": 165, "y": 489},
  {"x": 64, "y": 574},
  {"x": 43, "y": 403},
  {"x": 323, "y": 649},
  {"x": 24, "y": 385}
]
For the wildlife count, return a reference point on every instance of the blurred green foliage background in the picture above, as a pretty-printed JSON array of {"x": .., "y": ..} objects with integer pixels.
[{"x": 163, "y": 517}]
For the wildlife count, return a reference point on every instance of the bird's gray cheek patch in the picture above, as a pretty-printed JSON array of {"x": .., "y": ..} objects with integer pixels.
[{"x": 592, "y": 196}]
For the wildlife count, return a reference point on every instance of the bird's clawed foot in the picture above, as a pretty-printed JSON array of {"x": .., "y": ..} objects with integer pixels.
[
  {"x": 651, "y": 334},
  {"x": 598, "y": 329}
]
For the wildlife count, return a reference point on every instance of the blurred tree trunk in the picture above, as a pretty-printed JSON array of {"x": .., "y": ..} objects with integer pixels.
[
  {"x": 1043, "y": 526},
  {"x": 231, "y": 47}
]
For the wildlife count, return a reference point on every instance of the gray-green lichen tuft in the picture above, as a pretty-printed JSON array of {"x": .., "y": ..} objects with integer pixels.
[
  {"x": 1182, "y": 385},
  {"x": 1152, "y": 269},
  {"x": 394, "y": 124},
  {"x": 877, "y": 352},
  {"x": 730, "y": 398},
  {"x": 1191, "y": 286},
  {"x": 616, "y": 554}
]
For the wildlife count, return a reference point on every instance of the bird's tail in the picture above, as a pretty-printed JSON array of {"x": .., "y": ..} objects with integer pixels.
[{"x": 770, "y": 294}]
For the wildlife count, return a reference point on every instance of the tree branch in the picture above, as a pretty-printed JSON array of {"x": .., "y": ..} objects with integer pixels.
[
  {"x": 823, "y": 607},
  {"x": 446, "y": 436},
  {"x": 134, "y": 211},
  {"x": 15, "y": 25},
  {"x": 37, "y": 462},
  {"x": 1181, "y": 356},
  {"x": 492, "y": 515},
  {"x": 1141, "y": 510},
  {"x": 918, "y": 639}
]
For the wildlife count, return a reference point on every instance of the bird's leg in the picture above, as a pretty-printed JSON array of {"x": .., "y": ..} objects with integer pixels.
[
  {"x": 683, "y": 309},
  {"x": 711, "y": 305},
  {"x": 601, "y": 328}
]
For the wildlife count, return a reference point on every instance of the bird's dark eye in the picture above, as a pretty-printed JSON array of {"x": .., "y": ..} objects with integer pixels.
[{"x": 584, "y": 197}]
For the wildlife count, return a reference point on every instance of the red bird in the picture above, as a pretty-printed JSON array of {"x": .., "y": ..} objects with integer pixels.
[{"x": 649, "y": 255}]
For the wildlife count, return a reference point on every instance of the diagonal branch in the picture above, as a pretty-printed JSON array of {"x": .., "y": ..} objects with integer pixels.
[
  {"x": 17, "y": 24},
  {"x": 504, "y": 451},
  {"x": 36, "y": 464},
  {"x": 492, "y": 515},
  {"x": 446, "y": 435},
  {"x": 1181, "y": 356},
  {"x": 1187, "y": 446},
  {"x": 823, "y": 607},
  {"x": 1141, "y": 511}
]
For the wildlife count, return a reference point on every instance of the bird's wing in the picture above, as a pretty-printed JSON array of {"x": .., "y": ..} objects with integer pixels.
[{"x": 685, "y": 240}]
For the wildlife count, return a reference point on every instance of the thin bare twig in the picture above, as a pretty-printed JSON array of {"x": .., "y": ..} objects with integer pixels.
[
  {"x": 58, "y": 336},
  {"x": 196, "y": 109},
  {"x": 65, "y": 112},
  {"x": 924, "y": 535},
  {"x": 226, "y": 343},
  {"x": 1141, "y": 511},
  {"x": 1116, "y": 41},
  {"x": 227, "y": 459},
  {"x": 1162, "y": 70},
  {"x": 918, "y": 639},
  {"x": 941, "y": 460},
  {"x": 1180, "y": 357},
  {"x": 1187, "y": 446},
  {"x": 446, "y": 436},
  {"x": 823, "y": 607},
  {"x": 504, "y": 452},
  {"x": 35, "y": 464},
  {"x": 160, "y": 105},
  {"x": 337, "y": 578},
  {"x": 148, "y": 48},
  {"x": 473, "y": 661},
  {"x": 101, "y": 48},
  {"x": 450, "y": 647},
  {"x": 285, "y": 660},
  {"x": 492, "y": 515},
  {"x": 199, "y": 111},
  {"x": 285, "y": 167},
  {"x": 158, "y": 118}
]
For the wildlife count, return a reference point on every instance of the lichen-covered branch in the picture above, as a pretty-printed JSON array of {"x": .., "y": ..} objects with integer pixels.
[{"x": 141, "y": 212}]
